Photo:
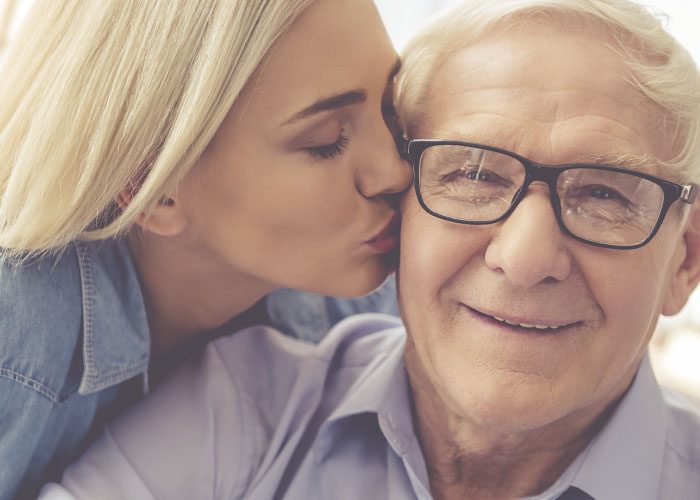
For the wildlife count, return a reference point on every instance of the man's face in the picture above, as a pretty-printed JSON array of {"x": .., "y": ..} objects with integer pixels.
[{"x": 554, "y": 98}]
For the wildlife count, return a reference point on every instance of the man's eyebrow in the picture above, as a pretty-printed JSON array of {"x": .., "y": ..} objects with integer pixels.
[
  {"x": 330, "y": 103},
  {"x": 644, "y": 163}
]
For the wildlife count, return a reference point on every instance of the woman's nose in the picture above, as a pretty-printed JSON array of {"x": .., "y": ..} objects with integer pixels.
[
  {"x": 383, "y": 171},
  {"x": 529, "y": 247}
]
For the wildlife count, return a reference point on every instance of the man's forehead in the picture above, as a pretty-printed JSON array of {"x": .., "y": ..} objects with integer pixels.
[
  {"x": 522, "y": 90},
  {"x": 540, "y": 52}
]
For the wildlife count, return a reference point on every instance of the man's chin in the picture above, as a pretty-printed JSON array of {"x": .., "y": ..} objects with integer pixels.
[
  {"x": 510, "y": 414},
  {"x": 510, "y": 400}
]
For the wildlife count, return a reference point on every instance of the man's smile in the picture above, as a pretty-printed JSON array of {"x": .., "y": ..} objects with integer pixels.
[{"x": 529, "y": 323}]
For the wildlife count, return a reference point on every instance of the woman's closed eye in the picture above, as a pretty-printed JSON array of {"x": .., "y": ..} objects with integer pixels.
[{"x": 329, "y": 151}]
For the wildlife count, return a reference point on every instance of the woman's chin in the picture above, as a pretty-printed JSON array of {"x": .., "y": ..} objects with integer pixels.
[{"x": 360, "y": 282}]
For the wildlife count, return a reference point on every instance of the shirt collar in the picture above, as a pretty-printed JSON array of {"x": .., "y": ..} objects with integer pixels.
[
  {"x": 382, "y": 390},
  {"x": 625, "y": 459},
  {"x": 116, "y": 342}
]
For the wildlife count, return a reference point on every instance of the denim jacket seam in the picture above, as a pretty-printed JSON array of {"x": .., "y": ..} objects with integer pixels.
[
  {"x": 88, "y": 299},
  {"x": 116, "y": 377},
  {"x": 109, "y": 379}
]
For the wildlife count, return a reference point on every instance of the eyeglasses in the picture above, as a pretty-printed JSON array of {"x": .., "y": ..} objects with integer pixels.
[{"x": 605, "y": 206}]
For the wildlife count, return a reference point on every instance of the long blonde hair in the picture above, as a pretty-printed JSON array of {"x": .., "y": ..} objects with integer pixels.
[
  {"x": 96, "y": 92},
  {"x": 660, "y": 68},
  {"x": 7, "y": 13}
]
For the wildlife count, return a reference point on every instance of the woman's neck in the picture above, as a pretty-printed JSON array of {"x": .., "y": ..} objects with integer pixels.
[{"x": 186, "y": 290}]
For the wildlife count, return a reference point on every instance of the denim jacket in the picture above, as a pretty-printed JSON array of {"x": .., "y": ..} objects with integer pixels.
[{"x": 73, "y": 331}]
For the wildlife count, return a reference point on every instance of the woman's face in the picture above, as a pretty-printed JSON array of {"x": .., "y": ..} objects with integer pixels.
[{"x": 293, "y": 190}]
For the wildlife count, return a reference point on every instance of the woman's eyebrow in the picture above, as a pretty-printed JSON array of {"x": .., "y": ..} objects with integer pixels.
[
  {"x": 330, "y": 103},
  {"x": 338, "y": 101}
]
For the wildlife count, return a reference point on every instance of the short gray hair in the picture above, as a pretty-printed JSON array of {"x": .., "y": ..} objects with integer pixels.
[{"x": 659, "y": 66}]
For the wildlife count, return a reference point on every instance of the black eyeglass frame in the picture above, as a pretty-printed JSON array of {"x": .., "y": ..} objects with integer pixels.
[{"x": 413, "y": 150}]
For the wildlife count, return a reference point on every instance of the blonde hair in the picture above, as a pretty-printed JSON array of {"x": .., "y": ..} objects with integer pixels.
[
  {"x": 97, "y": 96},
  {"x": 659, "y": 66},
  {"x": 7, "y": 12}
]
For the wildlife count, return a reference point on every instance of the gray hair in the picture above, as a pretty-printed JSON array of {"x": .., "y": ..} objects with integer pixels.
[{"x": 659, "y": 66}]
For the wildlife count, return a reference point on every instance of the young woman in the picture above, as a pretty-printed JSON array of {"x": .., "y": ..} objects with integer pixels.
[{"x": 163, "y": 166}]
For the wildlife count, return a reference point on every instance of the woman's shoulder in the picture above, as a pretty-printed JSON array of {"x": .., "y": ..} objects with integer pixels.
[
  {"x": 59, "y": 310},
  {"x": 40, "y": 319},
  {"x": 39, "y": 283}
]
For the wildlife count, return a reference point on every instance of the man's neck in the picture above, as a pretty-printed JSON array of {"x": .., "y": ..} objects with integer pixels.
[
  {"x": 186, "y": 291},
  {"x": 471, "y": 460},
  {"x": 495, "y": 470}
]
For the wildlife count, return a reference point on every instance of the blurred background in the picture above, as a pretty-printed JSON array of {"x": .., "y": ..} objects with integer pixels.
[{"x": 675, "y": 349}]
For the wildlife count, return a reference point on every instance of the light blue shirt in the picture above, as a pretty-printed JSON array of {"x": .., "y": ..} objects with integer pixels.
[
  {"x": 262, "y": 416},
  {"x": 74, "y": 339}
]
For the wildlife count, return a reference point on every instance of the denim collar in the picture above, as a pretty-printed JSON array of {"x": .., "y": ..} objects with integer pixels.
[{"x": 116, "y": 341}]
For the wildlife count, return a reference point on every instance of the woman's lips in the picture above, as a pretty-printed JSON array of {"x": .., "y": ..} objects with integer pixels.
[{"x": 387, "y": 240}]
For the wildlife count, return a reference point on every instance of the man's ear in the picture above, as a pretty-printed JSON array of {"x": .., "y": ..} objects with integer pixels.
[
  {"x": 687, "y": 275},
  {"x": 166, "y": 219}
]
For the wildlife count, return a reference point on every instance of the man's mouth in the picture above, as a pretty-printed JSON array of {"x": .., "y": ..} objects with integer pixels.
[{"x": 534, "y": 327}]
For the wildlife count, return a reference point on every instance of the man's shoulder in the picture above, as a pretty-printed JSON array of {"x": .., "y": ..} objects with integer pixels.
[
  {"x": 680, "y": 475},
  {"x": 279, "y": 374},
  {"x": 275, "y": 389},
  {"x": 683, "y": 438}
]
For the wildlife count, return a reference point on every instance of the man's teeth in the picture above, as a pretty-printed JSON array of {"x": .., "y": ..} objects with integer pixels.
[{"x": 528, "y": 325}]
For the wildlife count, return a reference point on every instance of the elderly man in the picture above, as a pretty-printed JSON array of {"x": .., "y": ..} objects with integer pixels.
[{"x": 554, "y": 144}]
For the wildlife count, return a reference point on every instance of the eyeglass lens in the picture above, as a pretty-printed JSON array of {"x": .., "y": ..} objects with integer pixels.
[{"x": 478, "y": 185}]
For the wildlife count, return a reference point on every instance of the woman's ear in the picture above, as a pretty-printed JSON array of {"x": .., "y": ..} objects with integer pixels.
[
  {"x": 687, "y": 274},
  {"x": 166, "y": 219}
]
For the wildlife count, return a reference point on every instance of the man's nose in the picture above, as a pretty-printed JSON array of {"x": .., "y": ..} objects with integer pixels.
[
  {"x": 529, "y": 247},
  {"x": 383, "y": 171}
]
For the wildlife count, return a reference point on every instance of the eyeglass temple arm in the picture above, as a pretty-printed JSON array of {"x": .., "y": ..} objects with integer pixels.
[
  {"x": 402, "y": 144},
  {"x": 689, "y": 193}
]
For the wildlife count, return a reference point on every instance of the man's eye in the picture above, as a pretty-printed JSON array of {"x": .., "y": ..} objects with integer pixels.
[
  {"x": 600, "y": 192},
  {"x": 478, "y": 175},
  {"x": 328, "y": 151},
  {"x": 475, "y": 174}
]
